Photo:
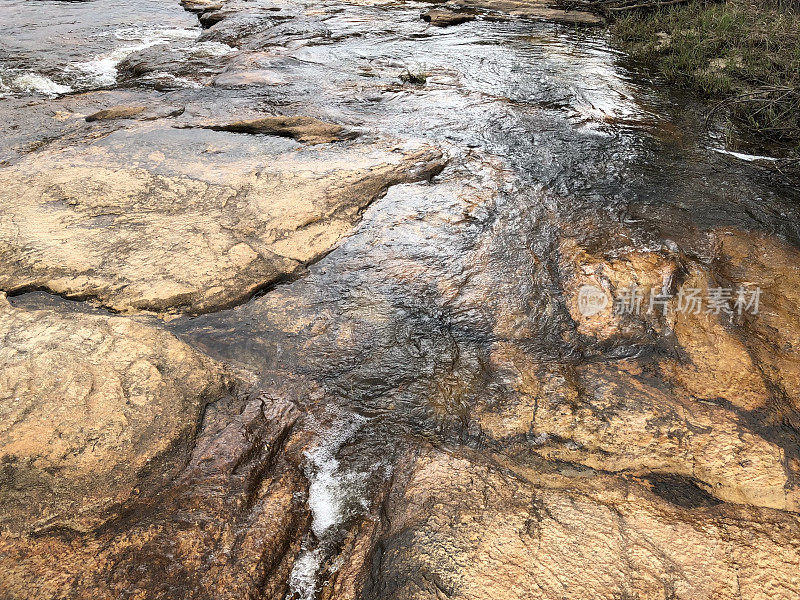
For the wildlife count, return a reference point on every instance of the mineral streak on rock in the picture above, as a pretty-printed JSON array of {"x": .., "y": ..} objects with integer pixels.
[{"x": 229, "y": 525}]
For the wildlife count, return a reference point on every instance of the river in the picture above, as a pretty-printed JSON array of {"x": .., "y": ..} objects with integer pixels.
[{"x": 412, "y": 329}]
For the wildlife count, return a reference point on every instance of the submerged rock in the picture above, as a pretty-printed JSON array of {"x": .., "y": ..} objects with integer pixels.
[
  {"x": 302, "y": 129},
  {"x": 116, "y": 112},
  {"x": 445, "y": 18},
  {"x": 522, "y": 9}
]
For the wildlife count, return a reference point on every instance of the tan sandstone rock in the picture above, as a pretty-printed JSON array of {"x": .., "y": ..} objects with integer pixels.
[
  {"x": 116, "y": 112},
  {"x": 470, "y": 527},
  {"x": 228, "y": 527},
  {"x": 708, "y": 408},
  {"x": 91, "y": 407},
  {"x": 772, "y": 265},
  {"x": 166, "y": 233},
  {"x": 302, "y": 129}
]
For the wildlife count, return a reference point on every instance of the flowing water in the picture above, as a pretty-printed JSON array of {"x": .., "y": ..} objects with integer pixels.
[{"x": 391, "y": 336}]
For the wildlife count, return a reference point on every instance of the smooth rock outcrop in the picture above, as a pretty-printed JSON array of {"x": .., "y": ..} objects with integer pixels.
[
  {"x": 718, "y": 405},
  {"x": 162, "y": 234},
  {"x": 461, "y": 525},
  {"x": 92, "y": 408},
  {"x": 228, "y": 527}
]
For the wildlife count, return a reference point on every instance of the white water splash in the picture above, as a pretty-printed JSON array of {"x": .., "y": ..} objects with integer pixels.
[
  {"x": 101, "y": 71},
  {"x": 330, "y": 488},
  {"x": 209, "y": 50},
  {"x": 303, "y": 578},
  {"x": 745, "y": 157},
  {"x": 332, "y": 493},
  {"x": 39, "y": 84}
]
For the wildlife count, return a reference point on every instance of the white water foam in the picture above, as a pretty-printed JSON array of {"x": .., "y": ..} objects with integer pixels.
[
  {"x": 745, "y": 157},
  {"x": 329, "y": 488},
  {"x": 101, "y": 71},
  {"x": 209, "y": 50},
  {"x": 39, "y": 84},
  {"x": 303, "y": 578},
  {"x": 331, "y": 492}
]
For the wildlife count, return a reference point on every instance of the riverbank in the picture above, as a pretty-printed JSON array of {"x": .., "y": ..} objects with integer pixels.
[{"x": 743, "y": 57}]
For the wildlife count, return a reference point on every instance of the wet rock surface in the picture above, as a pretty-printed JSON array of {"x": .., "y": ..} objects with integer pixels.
[
  {"x": 554, "y": 536},
  {"x": 514, "y": 9},
  {"x": 445, "y": 18},
  {"x": 167, "y": 234},
  {"x": 302, "y": 129},
  {"x": 365, "y": 368}
]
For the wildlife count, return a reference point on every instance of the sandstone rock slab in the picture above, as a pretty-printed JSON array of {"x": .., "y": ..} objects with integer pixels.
[
  {"x": 132, "y": 224},
  {"x": 469, "y": 527}
]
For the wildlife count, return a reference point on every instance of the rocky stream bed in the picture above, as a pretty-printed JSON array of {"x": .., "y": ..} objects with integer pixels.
[{"x": 278, "y": 323}]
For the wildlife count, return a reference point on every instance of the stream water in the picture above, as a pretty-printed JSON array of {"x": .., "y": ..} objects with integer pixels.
[{"x": 391, "y": 335}]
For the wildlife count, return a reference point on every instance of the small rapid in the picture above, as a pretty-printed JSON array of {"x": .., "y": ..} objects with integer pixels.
[{"x": 50, "y": 48}]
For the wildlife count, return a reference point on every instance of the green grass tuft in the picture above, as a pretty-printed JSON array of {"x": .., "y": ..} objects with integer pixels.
[{"x": 742, "y": 54}]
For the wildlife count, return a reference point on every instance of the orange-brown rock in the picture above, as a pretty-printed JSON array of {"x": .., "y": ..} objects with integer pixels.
[
  {"x": 649, "y": 273},
  {"x": 773, "y": 338},
  {"x": 165, "y": 233},
  {"x": 91, "y": 409},
  {"x": 461, "y": 525},
  {"x": 229, "y": 526},
  {"x": 302, "y": 129}
]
